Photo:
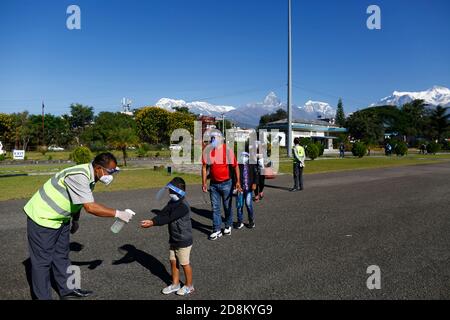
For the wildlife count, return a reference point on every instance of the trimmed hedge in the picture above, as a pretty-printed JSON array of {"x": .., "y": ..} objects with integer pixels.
[
  {"x": 401, "y": 148},
  {"x": 433, "y": 147},
  {"x": 312, "y": 151},
  {"x": 359, "y": 149},
  {"x": 81, "y": 155}
]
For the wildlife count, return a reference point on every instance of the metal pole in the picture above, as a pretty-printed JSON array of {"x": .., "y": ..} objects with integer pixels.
[
  {"x": 43, "y": 125},
  {"x": 223, "y": 124},
  {"x": 289, "y": 95}
]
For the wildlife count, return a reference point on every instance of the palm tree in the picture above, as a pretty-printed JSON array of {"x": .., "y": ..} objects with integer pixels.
[
  {"x": 121, "y": 139},
  {"x": 439, "y": 121}
]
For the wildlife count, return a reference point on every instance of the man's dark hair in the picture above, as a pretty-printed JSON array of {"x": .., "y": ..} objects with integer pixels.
[
  {"x": 296, "y": 141},
  {"x": 179, "y": 183},
  {"x": 103, "y": 159}
]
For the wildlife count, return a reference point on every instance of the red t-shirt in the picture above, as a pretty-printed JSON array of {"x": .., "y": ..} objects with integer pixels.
[{"x": 219, "y": 166}]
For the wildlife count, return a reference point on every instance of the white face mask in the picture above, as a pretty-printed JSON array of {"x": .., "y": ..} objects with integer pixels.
[
  {"x": 174, "y": 197},
  {"x": 106, "y": 180}
]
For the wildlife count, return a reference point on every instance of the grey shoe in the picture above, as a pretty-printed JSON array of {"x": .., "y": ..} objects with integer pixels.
[
  {"x": 170, "y": 289},
  {"x": 185, "y": 291}
]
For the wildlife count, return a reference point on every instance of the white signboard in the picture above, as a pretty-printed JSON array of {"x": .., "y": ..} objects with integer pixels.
[{"x": 18, "y": 154}]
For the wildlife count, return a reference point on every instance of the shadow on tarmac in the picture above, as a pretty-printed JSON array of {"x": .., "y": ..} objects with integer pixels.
[
  {"x": 132, "y": 254},
  {"x": 277, "y": 187}
]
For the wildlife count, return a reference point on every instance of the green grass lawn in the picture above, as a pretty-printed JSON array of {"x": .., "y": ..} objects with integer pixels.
[
  {"x": 25, "y": 187},
  {"x": 139, "y": 178},
  {"x": 64, "y": 155},
  {"x": 352, "y": 163}
]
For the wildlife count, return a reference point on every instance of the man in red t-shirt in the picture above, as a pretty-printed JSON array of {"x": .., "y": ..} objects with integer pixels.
[{"x": 223, "y": 169}]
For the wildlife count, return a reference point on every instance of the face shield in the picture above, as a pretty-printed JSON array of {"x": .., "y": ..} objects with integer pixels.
[{"x": 163, "y": 195}]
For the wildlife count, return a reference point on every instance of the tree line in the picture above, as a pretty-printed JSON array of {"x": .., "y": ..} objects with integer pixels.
[
  {"x": 81, "y": 127},
  {"x": 414, "y": 123}
]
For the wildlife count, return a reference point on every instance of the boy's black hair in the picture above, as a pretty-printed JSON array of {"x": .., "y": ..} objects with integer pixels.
[
  {"x": 103, "y": 159},
  {"x": 296, "y": 141},
  {"x": 179, "y": 183}
]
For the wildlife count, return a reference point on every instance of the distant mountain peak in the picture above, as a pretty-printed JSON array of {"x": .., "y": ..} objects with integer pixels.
[
  {"x": 319, "y": 108},
  {"x": 437, "y": 95},
  {"x": 272, "y": 100},
  {"x": 197, "y": 107}
]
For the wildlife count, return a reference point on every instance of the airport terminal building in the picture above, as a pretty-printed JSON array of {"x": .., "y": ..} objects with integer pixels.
[{"x": 322, "y": 130}]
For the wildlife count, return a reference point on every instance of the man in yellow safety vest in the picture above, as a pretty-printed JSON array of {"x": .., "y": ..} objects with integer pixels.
[
  {"x": 299, "y": 163},
  {"x": 50, "y": 212}
]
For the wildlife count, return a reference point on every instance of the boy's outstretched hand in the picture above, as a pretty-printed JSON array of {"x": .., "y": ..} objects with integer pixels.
[{"x": 146, "y": 223}]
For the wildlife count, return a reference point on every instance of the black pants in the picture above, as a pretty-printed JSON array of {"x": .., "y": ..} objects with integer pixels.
[
  {"x": 261, "y": 180},
  {"x": 298, "y": 176},
  {"x": 49, "y": 250}
]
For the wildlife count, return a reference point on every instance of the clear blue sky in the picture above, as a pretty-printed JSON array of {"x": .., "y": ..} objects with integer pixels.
[{"x": 229, "y": 51}]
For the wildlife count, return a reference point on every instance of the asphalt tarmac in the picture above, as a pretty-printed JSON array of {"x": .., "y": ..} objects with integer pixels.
[{"x": 314, "y": 244}]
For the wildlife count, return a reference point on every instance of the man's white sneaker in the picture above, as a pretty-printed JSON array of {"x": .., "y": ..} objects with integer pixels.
[
  {"x": 170, "y": 289},
  {"x": 215, "y": 235},
  {"x": 227, "y": 231},
  {"x": 185, "y": 291}
]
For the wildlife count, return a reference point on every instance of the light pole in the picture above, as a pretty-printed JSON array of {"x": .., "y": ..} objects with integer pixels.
[
  {"x": 223, "y": 124},
  {"x": 289, "y": 95}
]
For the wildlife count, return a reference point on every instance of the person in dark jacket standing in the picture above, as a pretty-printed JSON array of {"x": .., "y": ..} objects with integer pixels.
[
  {"x": 177, "y": 215},
  {"x": 248, "y": 184}
]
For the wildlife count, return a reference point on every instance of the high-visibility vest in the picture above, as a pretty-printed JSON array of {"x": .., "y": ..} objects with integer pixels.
[
  {"x": 51, "y": 206},
  {"x": 300, "y": 152}
]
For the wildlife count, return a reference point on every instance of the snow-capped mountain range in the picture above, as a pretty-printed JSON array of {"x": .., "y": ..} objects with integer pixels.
[
  {"x": 197, "y": 107},
  {"x": 434, "y": 96},
  {"x": 249, "y": 114}
]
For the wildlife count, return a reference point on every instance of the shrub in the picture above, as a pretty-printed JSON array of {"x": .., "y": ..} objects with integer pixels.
[
  {"x": 2, "y": 157},
  {"x": 157, "y": 154},
  {"x": 401, "y": 148},
  {"x": 312, "y": 151},
  {"x": 50, "y": 158},
  {"x": 321, "y": 148},
  {"x": 141, "y": 152},
  {"x": 433, "y": 147},
  {"x": 359, "y": 149},
  {"x": 43, "y": 149},
  {"x": 81, "y": 155},
  {"x": 305, "y": 141}
]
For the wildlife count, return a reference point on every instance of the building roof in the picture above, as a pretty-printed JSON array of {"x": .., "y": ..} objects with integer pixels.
[{"x": 305, "y": 125}]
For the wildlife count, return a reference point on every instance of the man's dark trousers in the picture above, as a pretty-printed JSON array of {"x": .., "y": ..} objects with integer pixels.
[
  {"x": 298, "y": 176},
  {"x": 49, "y": 249}
]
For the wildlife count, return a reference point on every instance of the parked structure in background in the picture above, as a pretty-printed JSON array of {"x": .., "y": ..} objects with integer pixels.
[
  {"x": 207, "y": 123},
  {"x": 126, "y": 107},
  {"x": 318, "y": 130}
]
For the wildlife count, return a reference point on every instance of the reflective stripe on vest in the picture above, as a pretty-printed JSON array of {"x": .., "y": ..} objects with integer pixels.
[{"x": 51, "y": 205}]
